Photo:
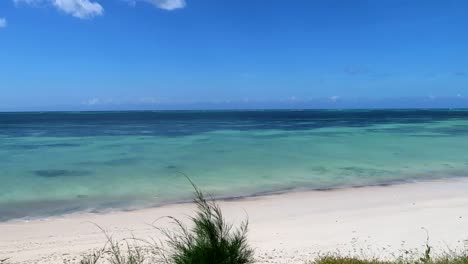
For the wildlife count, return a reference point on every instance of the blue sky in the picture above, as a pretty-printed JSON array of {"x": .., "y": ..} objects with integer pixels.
[{"x": 145, "y": 54}]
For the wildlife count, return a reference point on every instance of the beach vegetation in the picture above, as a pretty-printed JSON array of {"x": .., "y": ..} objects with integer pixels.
[
  {"x": 406, "y": 257},
  {"x": 444, "y": 259},
  {"x": 208, "y": 239}
]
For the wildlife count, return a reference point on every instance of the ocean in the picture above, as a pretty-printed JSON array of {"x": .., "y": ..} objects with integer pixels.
[{"x": 53, "y": 163}]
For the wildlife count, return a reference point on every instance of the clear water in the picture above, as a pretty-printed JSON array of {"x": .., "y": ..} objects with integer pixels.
[{"x": 53, "y": 163}]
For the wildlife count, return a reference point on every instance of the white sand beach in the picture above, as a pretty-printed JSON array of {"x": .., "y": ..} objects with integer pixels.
[{"x": 286, "y": 228}]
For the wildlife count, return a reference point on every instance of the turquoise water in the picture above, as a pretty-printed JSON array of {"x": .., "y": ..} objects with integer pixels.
[{"x": 53, "y": 163}]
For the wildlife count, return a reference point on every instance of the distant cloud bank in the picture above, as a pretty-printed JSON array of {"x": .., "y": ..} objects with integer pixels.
[
  {"x": 86, "y": 9},
  {"x": 3, "y": 22}
]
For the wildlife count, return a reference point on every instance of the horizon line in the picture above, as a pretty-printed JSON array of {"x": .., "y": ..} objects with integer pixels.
[{"x": 242, "y": 110}]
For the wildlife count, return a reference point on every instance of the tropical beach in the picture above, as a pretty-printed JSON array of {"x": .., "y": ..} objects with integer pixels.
[
  {"x": 233, "y": 132},
  {"x": 360, "y": 182}
]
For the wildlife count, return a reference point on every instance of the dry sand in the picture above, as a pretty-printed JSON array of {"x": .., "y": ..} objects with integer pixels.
[{"x": 286, "y": 228}]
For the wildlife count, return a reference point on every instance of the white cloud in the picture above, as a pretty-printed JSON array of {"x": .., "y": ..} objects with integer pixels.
[
  {"x": 77, "y": 8},
  {"x": 167, "y": 4},
  {"x": 91, "y": 8},
  {"x": 99, "y": 101},
  {"x": 92, "y": 101},
  {"x": 3, "y": 22},
  {"x": 334, "y": 98}
]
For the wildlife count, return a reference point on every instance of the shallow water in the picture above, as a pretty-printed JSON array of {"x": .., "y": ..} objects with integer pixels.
[{"x": 53, "y": 163}]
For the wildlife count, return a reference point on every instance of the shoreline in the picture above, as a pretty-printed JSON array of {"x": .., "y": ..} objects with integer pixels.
[
  {"x": 227, "y": 198},
  {"x": 289, "y": 227}
]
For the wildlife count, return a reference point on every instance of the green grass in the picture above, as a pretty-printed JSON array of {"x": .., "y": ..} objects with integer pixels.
[
  {"x": 407, "y": 258},
  {"x": 332, "y": 259},
  {"x": 347, "y": 260}
]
